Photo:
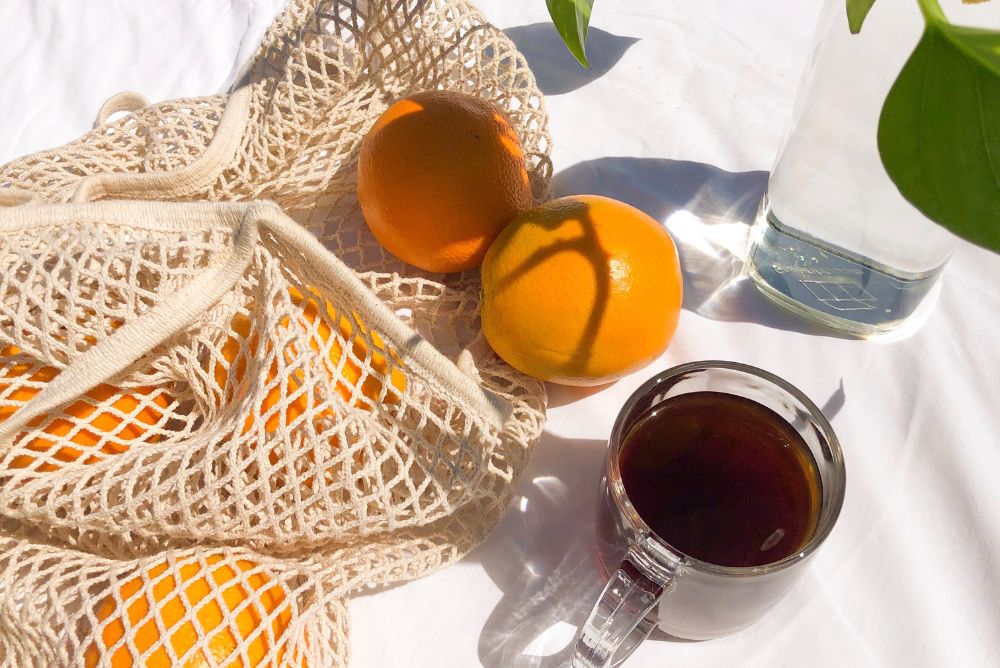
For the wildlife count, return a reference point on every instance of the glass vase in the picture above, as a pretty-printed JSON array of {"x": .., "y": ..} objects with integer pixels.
[{"x": 834, "y": 240}]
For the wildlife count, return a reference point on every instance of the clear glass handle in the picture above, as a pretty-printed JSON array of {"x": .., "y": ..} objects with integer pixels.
[{"x": 622, "y": 617}]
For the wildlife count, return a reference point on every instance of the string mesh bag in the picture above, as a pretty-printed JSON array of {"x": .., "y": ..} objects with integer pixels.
[
  {"x": 292, "y": 130},
  {"x": 218, "y": 417}
]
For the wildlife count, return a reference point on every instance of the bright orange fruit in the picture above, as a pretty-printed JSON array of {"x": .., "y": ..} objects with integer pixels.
[
  {"x": 353, "y": 383},
  {"x": 85, "y": 429},
  {"x": 384, "y": 361},
  {"x": 236, "y": 364},
  {"x": 356, "y": 386},
  {"x": 15, "y": 393},
  {"x": 581, "y": 291},
  {"x": 439, "y": 175},
  {"x": 190, "y": 605}
]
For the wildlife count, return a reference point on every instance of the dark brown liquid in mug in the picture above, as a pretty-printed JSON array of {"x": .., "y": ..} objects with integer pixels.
[{"x": 722, "y": 479}]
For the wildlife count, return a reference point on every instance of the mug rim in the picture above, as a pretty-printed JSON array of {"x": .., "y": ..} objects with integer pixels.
[{"x": 621, "y": 497}]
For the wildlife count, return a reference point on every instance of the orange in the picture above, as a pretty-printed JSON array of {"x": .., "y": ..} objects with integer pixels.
[
  {"x": 15, "y": 394},
  {"x": 354, "y": 385},
  {"x": 581, "y": 291},
  {"x": 191, "y": 605},
  {"x": 439, "y": 175},
  {"x": 87, "y": 427},
  {"x": 236, "y": 363},
  {"x": 384, "y": 361}
]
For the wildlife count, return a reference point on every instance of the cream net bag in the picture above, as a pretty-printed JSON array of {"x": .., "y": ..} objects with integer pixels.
[{"x": 213, "y": 429}]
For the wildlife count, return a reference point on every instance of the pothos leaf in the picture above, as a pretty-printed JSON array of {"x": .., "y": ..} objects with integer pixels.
[
  {"x": 939, "y": 130},
  {"x": 572, "y": 18},
  {"x": 857, "y": 10}
]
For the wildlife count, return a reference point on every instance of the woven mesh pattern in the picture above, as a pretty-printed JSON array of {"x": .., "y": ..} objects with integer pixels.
[
  {"x": 160, "y": 137},
  {"x": 295, "y": 415},
  {"x": 320, "y": 424},
  {"x": 175, "y": 608}
]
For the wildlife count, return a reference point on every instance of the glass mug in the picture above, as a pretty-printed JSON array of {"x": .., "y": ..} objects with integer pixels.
[{"x": 655, "y": 584}]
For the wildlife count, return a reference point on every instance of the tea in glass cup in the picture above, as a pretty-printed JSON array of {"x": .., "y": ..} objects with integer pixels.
[{"x": 721, "y": 482}]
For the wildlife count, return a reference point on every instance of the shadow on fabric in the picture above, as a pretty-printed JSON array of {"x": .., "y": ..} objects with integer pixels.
[
  {"x": 556, "y": 70},
  {"x": 542, "y": 557},
  {"x": 708, "y": 212}
]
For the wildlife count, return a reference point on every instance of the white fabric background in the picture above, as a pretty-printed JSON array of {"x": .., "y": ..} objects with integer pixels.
[{"x": 683, "y": 112}]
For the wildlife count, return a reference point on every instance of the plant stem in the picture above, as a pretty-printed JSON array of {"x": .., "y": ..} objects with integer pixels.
[{"x": 932, "y": 11}]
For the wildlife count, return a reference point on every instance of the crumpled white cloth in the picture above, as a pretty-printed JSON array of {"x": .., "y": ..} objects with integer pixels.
[
  {"x": 682, "y": 114},
  {"x": 61, "y": 60}
]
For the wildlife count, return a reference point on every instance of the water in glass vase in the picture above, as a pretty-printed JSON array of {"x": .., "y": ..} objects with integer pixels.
[
  {"x": 829, "y": 284},
  {"x": 835, "y": 240}
]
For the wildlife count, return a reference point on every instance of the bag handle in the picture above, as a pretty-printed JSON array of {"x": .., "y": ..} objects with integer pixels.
[
  {"x": 190, "y": 179},
  {"x": 127, "y": 101},
  {"x": 137, "y": 337}
]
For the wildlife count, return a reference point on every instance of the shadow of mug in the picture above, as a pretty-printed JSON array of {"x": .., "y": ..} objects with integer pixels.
[{"x": 542, "y": 557}]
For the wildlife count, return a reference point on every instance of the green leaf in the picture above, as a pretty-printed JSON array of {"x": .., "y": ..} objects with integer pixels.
[
  {"x": 857, "y": 10},
  {"x": 571, "y": 18},
  {"x": 939, "y": 130}
]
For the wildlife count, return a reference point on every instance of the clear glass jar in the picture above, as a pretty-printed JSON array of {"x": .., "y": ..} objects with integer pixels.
[{"x": 834, "y": 240}]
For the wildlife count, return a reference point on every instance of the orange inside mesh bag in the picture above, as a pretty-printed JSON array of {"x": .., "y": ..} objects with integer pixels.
[{"x": 211, "y": 426}]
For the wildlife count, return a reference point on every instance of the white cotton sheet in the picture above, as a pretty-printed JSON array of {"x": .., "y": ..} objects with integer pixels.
[{"x": 685, "y": 107}]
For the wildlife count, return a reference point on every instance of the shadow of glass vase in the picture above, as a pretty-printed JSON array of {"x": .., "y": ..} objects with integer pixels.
[{"x": 708, "y": 212}]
